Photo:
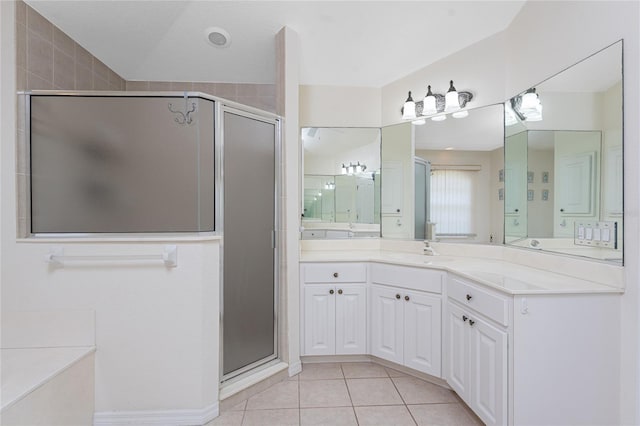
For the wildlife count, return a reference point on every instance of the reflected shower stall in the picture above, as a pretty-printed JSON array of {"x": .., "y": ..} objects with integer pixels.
[{"x": 167, "y": 163}]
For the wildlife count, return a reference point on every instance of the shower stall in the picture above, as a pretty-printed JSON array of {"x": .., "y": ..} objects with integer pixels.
[{"x": 103, "y": 163}]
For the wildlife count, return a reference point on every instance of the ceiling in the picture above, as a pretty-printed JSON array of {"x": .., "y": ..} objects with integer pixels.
[{"x": 343, "y": 43}]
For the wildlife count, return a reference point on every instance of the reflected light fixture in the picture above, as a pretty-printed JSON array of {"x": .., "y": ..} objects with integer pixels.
[
  {"x": 527, "y": 106},
  {"x": 409, "y": 109},
  {"x": 439, "y": 117},
  {"x": 353, "y": 169}
]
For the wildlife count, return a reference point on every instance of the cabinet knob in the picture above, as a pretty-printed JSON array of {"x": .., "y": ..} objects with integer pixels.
[
  {"x": 340, "y": 291},
  {"x": 516, "y": 210},
  {"x": 562, "y": 210},
  {"x": 397, "y": 296},
  {"x": 471, "y": 322},
  {"x": 406, "y": 298},
  {"x": 335, "y": 275},
  {"x": 397, "y": 210},
  {"x": 469, "y": 297},
  {"x": 331, "y": 291},
  {"x": 465, "y": 318}
]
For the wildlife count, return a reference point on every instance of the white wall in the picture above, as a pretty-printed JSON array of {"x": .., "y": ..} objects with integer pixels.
[
  {"x": 545, "y": 38},
  {"x": 337, "y": 106},
  {"x": 478, "y": 69}
]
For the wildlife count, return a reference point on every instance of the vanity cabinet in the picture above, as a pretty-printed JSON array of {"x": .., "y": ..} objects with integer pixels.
[
  {"x": 476, "y": 339},
  {"x": 335, "y": 308},
  {"x": 406, "y": 323}
]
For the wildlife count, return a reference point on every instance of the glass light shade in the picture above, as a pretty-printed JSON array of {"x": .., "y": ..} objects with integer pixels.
[
  {"x": 535, "y": 115},
  {"x": 529, "y": 102},
  {"x": 409, "y": 111},
  {"x": 419, "y": 122},
  {"x": 509, "y": 115},
  {"x": 344, "y": 169},
  {"x": 439, "y": 117},
  {"x": 451, "y": 100},
  {"x": 358, "y": 168},
  {"x": 429, "y": 103},
  {"x": 460, "y": 114}
]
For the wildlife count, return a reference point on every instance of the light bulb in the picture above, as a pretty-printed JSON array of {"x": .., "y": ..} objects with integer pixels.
[
  {"x": 451, "y": 101},
  {"x": 409, "y": 111}
]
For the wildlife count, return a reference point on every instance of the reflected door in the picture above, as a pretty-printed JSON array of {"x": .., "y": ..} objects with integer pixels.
[{"x": 249, "y": 291}]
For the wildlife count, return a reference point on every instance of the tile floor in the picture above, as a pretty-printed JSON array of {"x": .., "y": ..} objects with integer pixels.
[{"x": 359, "y": 393}]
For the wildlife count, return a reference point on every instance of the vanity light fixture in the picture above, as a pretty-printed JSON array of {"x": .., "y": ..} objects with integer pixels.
[
  {"x": 409, "y": 109},
  {"x": 435, "y": 103},
  {"x": 330, "y": 185}
]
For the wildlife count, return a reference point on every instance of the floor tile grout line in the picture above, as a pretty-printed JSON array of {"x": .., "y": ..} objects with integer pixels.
[
  {"x": 346, "y": 385},
  {"x": 406, "y": 406}
]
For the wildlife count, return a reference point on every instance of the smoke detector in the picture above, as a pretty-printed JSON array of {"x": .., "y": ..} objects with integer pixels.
[{"x": 218, "y": 37}]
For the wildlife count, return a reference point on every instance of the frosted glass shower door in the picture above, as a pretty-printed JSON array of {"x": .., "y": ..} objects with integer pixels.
[{"x": 249, "y": 291}]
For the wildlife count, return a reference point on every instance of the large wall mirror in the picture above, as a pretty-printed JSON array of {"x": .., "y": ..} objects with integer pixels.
[
  {"x": 441, "y": 178},
  {"x": 341, "y": 182},
  {"x": 564, "y": 161}
]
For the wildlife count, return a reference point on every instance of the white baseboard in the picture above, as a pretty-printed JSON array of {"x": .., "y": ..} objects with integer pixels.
[
  {"x": 158, "y": 418},
  {"x": 295, "y": 368}
]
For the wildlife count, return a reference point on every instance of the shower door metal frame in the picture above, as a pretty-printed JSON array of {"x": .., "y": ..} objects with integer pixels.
[{"x": 221, "y": 109}]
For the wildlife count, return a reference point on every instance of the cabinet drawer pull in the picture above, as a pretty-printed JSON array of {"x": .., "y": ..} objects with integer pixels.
[
  {"x": 340, "y": 291},
  {"x": 331, "y": 291},
  {"x": 397, "y": 296},
  {"x": 406, "y": 298},
  {"x": 335, "y": 275},
  {"x": 468, "y": 297},
  {"x": 465, "y": 318},
  {"x": 471, "y": 322}
]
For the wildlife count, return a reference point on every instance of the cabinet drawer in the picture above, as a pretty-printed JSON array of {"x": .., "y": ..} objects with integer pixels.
[
  {"x": 484, "y": 302},
  {"x": 335, "y": 272},
  {"x": 406, "y": 277}
]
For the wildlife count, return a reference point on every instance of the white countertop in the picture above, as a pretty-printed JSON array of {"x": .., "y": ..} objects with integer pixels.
[{"x": 507, "y": 277}]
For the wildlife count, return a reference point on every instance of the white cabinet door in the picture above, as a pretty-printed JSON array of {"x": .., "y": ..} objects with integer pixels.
[
  {"x": 488, "y": 354},
  {"x": 319, "y": 320},
  {"x": 456, "y": 351},
  {"x": 351, "y": 319},
  {"x": 387, "y": 324},
  {"x": 422, "y": 332}
]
